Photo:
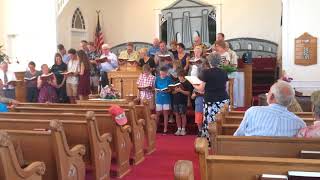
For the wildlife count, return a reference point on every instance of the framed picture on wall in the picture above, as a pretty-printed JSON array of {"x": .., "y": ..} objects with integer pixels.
[{"x": 305, "y": 50}]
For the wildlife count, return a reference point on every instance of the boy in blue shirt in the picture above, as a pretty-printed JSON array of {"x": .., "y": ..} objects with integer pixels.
[{"x": 163, "y": 98}]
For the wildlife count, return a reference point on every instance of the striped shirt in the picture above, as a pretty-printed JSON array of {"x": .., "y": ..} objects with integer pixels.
[{"x": 272, "y": 120}]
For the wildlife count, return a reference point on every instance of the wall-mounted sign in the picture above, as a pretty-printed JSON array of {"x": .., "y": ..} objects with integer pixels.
[{"x": 305, "y": 50}]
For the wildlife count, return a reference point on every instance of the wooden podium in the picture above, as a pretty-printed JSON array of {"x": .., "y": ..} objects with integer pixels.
[
  {"x": 20, "y": 87},
  {"x": 125, "y": 79}
]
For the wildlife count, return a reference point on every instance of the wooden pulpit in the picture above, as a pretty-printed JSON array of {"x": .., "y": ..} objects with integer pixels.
[
  {"x": 20, "y": 87},
  {"x": 125, "y": 79}
]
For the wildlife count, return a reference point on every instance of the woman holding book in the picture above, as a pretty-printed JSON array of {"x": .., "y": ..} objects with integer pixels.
[
  {"x": 47, "y": 84},
  {"x": 30, "y": 79},
  {"x": 183, "y": 57},
  {"x": 196, "y": 63},
  {"x": 58, "y": 68},
  {"x": 214, "y": 88},
  {"x": 145, "y": 85},
  {"x": 84, "y": 76},
  {"x": 145, "y": 59}
]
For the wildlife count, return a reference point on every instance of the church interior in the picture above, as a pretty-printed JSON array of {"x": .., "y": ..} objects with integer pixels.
[{"x": 159, "y": 89}]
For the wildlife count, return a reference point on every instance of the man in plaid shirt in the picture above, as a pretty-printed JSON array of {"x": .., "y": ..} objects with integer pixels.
[{"x": 146, "y": 85}]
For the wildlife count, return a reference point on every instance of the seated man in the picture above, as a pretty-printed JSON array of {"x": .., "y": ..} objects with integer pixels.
[{"x": 275, "y": 119}]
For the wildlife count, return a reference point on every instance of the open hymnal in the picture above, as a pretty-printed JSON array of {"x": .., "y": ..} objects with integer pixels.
[
  {"x": 30, "y": 79},
  {"x": 172, "y": 86},
  {"x": 193, "y": 80},
  {"x": 303, "y": 175},
  {"x": 165, "y": 57},
  {"x": 273, "y": 177},
  {"x": 13, "y": 81},
  {"x": 101, "y": 60},
  {"x": 144, "y": 88},
  {"x": 162, "y": 90},
  {"x": 67, "y": 73},
  {"x": 46, "y": 76}
]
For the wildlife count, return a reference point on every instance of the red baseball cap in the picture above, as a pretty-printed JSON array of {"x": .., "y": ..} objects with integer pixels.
[{"x": 118, "y": 115}]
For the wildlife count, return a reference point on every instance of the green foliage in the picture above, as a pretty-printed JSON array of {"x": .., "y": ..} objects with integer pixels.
[
  {"x": 3, "y": 56},
  {"x": 229, "y": 69}
]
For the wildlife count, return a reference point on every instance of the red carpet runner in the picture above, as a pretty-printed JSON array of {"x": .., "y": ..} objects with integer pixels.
[{"x": 160, "y": 164}]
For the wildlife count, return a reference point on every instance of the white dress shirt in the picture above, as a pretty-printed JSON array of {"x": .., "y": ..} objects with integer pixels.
[
  {"x": 109, "y": 66},
  {"x": 11, "y": 77}
]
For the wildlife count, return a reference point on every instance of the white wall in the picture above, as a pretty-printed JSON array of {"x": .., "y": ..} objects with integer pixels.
[
  {"x": 136, "y": 20},
  {"x": 64, "y": 21},
  {"x": 299, "y": 17},
  {"x": 33, "y": 25}
]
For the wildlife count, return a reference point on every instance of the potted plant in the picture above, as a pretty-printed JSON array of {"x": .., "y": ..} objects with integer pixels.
[
  {"x": 3, "y": 56},
  {"x": 230, "y": 70}
]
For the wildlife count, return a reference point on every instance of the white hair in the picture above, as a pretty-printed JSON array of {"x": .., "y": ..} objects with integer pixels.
[{"x": 283, "y": 93}]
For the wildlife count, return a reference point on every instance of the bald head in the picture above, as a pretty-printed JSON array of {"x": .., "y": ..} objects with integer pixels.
[
  {"x": 156, "y": 42},
  {"x": 281, "y": 93}
]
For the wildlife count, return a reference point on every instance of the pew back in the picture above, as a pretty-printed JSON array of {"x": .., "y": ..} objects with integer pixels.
[{"x": 264, "y": 146}]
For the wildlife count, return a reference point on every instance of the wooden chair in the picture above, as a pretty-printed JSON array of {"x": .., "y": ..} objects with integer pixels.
[
  {"x": 120, "y": 144},
  {"x": 9, "y": 165},
  {"x": 77, "y": 132},
  {"x": 244, "y": 167},
  {"x": 137, "y": 132},
  {"x": 52, "y": 148}
]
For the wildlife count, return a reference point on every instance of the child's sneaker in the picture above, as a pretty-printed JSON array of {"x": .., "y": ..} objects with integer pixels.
[
  {"x": 183, "y": 132},
  {"x": 178, "y": 133}
]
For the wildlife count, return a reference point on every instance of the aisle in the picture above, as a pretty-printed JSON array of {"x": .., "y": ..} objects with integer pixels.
[{"x": 159, "y": 165}]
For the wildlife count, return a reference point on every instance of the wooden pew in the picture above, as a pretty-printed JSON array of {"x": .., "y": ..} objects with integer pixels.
[
  {"x": 52, "y": 148},
  {"x": 9, "y": 165},
  {"x": 300, "y": 114},
  {"x": 264, "y": 146},
  {"x": 137, "y": 132},
  {"x": 77, "y": 132},
  {"x": 143, "y": 112},
  {"x": 120, "y": 144},
  {"x": 244, "y": 167}
]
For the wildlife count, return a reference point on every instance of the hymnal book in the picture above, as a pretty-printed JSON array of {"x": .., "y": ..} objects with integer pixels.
[
  {"x": 131, "y": 61},
  {"x": 163, "y": 89},
  {"x": 195, "y": 61},
  {"x": 303, "y": 175},
  {"x": 13, "y": 81},
  {"x": 273, "y": 177},
  {"x": 193, "y": 80},
  {"x": 45, "y": 77},
  {"x": 165, "y": 57},
  {"x": 101, "y": 60},
  {"x": 172, "y": 86},
  {"x": 145, "y": 88},
  {"x": 122, "y": 59},
  {"x": 67, "y": 73},
  {"x": 310, "y": 154},
  {"x": 30, "y": 79}
]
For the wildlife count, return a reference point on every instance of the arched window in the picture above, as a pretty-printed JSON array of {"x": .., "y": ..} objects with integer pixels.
[
  {"x": 212, "y": 26},
  {"x": 77, "y": 20},
  {"x": 260, "y": 48},
  {"x": 236, "y": 46},
  {"x": 249, "y": 46},
  {"x": 164, "y": 29},
  {"x": 178, "y": 37},
  {"x": 195, "y": 34}
]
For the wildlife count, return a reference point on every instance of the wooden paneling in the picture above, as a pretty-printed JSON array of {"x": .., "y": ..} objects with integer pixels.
[
  {"x": 20, "y": 87},
  {"x": 125, "y": 81}
]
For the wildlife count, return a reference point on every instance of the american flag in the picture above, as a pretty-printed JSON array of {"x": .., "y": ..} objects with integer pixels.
[{"x": 98, "y": 35}]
